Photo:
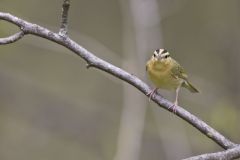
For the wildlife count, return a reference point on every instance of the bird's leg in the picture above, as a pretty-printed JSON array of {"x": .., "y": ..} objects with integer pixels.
[
  {"x": 175, "y": 104},
  {"x": 151, "y": 93}
]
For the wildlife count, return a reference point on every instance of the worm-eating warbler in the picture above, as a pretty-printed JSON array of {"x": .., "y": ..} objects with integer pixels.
[{"x": 166, "y": 73}]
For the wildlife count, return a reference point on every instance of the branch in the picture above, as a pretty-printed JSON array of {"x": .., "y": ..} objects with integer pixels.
[
  {"x": 90, "y": 58},
  {"x": 223, "y": 155},
  {"x": 13, "y": 38},
  {"x": 64, "y": 23}
]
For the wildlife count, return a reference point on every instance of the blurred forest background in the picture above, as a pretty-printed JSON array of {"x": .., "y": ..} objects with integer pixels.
[{"x": 53, "y": 108}]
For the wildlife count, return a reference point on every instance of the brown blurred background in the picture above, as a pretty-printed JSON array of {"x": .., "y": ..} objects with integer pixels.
[{"x": 53, "y": 108}]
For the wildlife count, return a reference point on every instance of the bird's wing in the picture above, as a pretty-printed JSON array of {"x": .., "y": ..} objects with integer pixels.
[{"x": 178, "y": 72}]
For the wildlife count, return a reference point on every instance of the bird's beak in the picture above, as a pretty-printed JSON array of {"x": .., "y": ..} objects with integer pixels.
[{"x": 159, "y": 58}]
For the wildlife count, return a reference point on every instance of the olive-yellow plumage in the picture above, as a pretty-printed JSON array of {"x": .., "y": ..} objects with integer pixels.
[{"x": 166, "y": 73}]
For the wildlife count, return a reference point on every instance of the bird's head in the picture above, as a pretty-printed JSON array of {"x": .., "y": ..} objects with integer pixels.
[{"x": 161, "y": 55}]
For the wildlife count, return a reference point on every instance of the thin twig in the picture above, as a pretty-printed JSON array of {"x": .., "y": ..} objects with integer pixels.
[
  {"x": 64, "y": 23},
  {"x": 96, "y": 62},
  {"x": 13, "y": 38},
  {"x": 223, "y": 155}
]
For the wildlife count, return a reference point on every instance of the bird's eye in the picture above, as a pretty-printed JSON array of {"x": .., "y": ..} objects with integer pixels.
[{"x": 166, "y": 56}]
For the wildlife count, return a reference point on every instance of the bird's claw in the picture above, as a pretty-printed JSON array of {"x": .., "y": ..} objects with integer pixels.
[
  {"x": 151, "y": 93},
  {"x": 173, "y": 108}
]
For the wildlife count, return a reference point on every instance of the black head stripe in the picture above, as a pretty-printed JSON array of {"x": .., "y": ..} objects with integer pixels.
[
  {"x": 164, "y": 51},
  {"x": 157, "y": 50}
]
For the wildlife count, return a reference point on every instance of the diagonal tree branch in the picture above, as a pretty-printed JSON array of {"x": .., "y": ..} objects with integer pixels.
[
  {"x": 223, "y": 155},
  {"x": 93, "y": 61}
]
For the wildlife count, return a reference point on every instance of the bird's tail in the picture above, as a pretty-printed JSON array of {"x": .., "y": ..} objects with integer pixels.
[{"x": 190, "y": 87}]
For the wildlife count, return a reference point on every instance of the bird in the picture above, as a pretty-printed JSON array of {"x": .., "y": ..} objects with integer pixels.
[{"x": 167, "y": 73}]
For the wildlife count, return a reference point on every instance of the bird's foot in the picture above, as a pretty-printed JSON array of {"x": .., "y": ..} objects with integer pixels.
[
  {"x": 151, "y": 93},
  {"x": 173, "y": 108}
]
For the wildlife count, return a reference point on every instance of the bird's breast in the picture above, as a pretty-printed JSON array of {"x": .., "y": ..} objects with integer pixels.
[{"x": 161, "y": 75}]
